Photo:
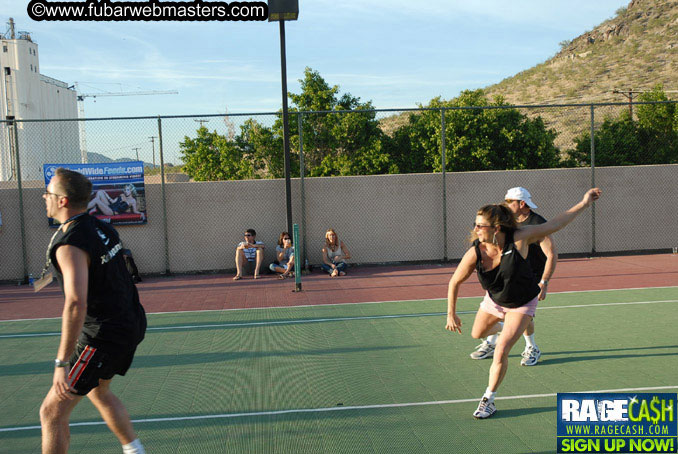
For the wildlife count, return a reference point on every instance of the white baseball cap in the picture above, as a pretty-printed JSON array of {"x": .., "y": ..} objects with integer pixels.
[{"x": 520, "y": 193}]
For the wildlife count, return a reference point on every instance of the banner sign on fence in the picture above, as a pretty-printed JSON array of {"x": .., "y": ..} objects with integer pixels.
[
  {"x": 617, "y": 422},
  {"x": 118, "y": 194}
]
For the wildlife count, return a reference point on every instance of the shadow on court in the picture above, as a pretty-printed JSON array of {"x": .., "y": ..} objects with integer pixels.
[
  {"x": 582, "y": 355},
  {"x": 272, "y": 322},
  {"x": 519, "y": 412},
  {"x": 147, "y": 361}
]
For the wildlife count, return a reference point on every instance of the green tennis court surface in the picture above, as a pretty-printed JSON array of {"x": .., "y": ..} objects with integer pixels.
[{"x": 355, "y": 378}]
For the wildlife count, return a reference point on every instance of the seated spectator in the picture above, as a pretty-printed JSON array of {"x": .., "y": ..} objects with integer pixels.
[
  {"x": 284, "y": 252},
  {"x": 249, "y": 255},
  {"x": 335, "y": 255}
]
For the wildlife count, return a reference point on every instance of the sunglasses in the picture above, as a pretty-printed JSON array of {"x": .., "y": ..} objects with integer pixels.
[
  {"x": 46, "y": 193},
  {"x": 285, "y": 239},
  {"x": 480, "y": 226},
  {"x": 248, "y": 234}
]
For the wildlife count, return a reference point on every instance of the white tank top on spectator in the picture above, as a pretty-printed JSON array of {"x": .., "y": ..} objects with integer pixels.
[{"x": 333, "y": 254}]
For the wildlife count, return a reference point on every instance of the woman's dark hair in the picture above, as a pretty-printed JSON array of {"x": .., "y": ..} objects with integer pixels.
[
  {"x": 499, "y": 215},
  {"x": 283, "y": 235}
]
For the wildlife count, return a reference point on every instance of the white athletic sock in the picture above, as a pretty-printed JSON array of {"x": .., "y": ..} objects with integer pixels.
[
  {"x": 492, "y": 339},
  {"x": 529, "y": 340},
  {"x": 489, "y": 394},
  {"x": 134, "y": 447}
]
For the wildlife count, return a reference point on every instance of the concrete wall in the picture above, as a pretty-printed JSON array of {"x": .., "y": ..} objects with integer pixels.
[{"x": 385, "y": 218}]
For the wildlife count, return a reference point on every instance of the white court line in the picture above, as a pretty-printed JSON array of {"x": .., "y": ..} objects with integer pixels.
[
  {"x": 342, "y": 408},
  {"x": 345, "y": 304},
  {"x": 335, "y": 319}
]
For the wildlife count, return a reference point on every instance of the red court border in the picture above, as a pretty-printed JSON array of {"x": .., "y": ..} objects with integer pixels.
[{"x": 362, "y": 284}]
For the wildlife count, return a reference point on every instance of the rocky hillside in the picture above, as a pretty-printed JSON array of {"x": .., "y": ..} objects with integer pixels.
[
  {"x": 635, "y": 50},
  {"x": 631, "y": 52}
]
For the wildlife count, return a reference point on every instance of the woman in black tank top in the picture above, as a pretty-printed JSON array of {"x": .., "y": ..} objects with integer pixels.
[{"x": 499, "y": 255}]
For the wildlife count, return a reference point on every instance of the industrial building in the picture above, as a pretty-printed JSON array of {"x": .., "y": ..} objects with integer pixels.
[{"x": 28, "y": 95}]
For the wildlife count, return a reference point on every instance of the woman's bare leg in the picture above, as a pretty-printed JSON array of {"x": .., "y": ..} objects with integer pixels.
[
  {"x": 100, "y": 202},
  {"x": 514, "y": 325}
]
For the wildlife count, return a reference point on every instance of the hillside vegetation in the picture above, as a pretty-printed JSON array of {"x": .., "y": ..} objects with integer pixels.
[
  {"x": 627, "y": 55},
  {"x": 635, "y": 50}
]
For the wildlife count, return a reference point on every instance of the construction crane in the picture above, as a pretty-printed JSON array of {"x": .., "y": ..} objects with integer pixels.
[{"x": 81, "y": 109}]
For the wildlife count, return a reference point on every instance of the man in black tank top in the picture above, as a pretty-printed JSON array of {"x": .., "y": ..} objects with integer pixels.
[
  {"x": 103, "y": 320},
  {"x": 542, "y": 257}
]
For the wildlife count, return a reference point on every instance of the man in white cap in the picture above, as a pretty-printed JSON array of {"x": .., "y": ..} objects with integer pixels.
[{"x": 542, "y": 257}]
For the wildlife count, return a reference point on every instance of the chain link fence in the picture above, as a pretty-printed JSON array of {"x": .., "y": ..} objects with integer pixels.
[{"x": 396, "y": 185}]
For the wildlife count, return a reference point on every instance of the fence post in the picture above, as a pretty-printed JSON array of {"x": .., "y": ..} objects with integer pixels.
[
  {"x": 593, "y": 182},
  {"x": 164, "y": 197},
  {"x": 442, "y": 140},
  {"x": 21, "y": 200},
  {"x": 303, "y": 256}
]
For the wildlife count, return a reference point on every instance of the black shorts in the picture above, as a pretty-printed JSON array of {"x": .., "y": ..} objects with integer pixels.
[{"x": 89, "y": 364}]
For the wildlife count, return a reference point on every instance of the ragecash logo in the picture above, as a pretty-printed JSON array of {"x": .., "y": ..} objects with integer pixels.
[{"x": 617, "y": 422}]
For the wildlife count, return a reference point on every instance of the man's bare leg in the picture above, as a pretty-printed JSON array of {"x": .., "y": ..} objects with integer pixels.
[
  {"x": 113, "y": 412},
  {"x": 54, "y": 416}
]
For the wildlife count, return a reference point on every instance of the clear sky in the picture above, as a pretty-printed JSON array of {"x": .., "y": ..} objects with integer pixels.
[{"x": 396, "y": 53}]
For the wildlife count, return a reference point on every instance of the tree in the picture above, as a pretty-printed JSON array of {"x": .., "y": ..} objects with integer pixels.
[
  {"x": 617, "y": 143},
  {"x": 211, "y": 156},
  {"x": 341, "y": 136},
  {"x": 480, "y": 135},
  {"x": 346, "y": 143},
  {"x": 658, "y": 127},
  {"x": 264, "y": 146},
  {"x": 621, "y": 141},
  {"x": 407, "y": 153}
]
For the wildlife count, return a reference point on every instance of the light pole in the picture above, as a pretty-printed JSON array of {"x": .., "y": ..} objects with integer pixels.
[
  {"x": 153, "y": 145},
  {"x": 280, "y": 11},
  {"x": 137, "y": 150}
]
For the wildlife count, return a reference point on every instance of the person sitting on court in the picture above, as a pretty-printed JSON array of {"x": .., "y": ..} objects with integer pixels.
[
  {"x": 499, "y": 256},
  {"x": 249, "y": 255},
  {"x": 335, "y": 255},
  {"x": 284, "y": 252}
]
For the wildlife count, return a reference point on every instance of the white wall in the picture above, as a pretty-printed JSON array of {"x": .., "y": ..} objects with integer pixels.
[{"x": 26, "y": 94}]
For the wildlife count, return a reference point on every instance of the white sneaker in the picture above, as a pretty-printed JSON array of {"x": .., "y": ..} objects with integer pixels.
[
  {"x": 530, "y": 356},
  {"x": 485, "y": 409},
  {"x": 484, "y": 350}
]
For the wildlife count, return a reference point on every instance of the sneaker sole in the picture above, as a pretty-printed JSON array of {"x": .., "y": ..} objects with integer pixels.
[
  {"x": 486, "y": 417},
  {"x": 532, "y": 364},
  {"x": 484, "y": 357}
]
